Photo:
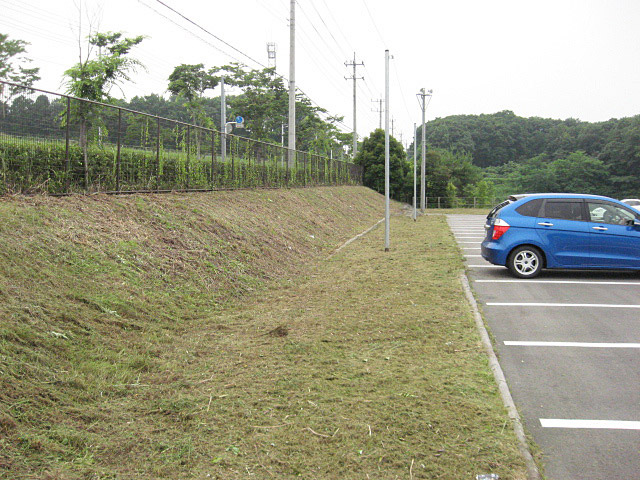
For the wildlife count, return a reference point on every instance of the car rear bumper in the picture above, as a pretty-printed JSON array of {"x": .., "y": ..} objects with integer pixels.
[{"x": 493, "y": 252}]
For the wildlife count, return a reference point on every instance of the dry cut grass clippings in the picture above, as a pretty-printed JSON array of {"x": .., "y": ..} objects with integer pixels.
[{"x": 214, "y": 336}]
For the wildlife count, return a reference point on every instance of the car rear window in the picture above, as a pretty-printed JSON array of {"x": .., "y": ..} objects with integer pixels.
[
  {"x": 531, "y": 208},
  {"x": 563, "y": 209}
]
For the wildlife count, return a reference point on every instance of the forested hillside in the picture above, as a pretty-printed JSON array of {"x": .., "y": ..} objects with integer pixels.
[{"x": 543, "y": 154}]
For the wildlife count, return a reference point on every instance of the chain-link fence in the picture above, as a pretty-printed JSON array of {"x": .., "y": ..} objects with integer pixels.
[
  {"x": 460, "y": 202},
  {"x": 57, "y": 144}
]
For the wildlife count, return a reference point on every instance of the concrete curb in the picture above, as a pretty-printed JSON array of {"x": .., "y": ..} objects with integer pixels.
[{"x": 532, "y": 469}]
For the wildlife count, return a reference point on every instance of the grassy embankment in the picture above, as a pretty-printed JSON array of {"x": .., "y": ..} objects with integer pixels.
[{"x": 213, "y": 336}]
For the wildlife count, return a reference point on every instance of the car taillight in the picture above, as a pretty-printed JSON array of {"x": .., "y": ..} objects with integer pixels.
[{"x": 499, "y": 228}]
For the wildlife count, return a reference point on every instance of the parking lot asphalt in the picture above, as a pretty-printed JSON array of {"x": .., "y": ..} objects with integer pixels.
[{"x": 569, "y": 345}]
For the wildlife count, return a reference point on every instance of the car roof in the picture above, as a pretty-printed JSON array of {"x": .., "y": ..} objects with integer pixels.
[{"x": 515, "y": 198}]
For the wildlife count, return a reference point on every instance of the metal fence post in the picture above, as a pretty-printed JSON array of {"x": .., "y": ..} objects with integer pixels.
[
  {"x": 158, "y": 155},
  {"x": 67, "y": 160},
  {"x": 213, "y": 158},
  {"x": 233, "y": 166},
  {"x": 188, "y": 153},
  {"x": 118, "y": 151}
]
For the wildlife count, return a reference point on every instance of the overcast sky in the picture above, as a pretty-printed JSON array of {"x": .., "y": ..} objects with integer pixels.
[{"x": 547, "y": 58}]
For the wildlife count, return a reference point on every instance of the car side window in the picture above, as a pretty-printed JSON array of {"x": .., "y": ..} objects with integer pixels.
[
  {"x": 604, "y": 212},
  {"x": 564, "y": 210},
  {"x": 531, "y": 208}
]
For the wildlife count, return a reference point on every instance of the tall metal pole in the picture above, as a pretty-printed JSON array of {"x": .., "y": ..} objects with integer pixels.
[
  {"x": 415, "y": 180},
  {"x": 223, "y": 121},
  {"x": 423, "y": 185},
  {"x": 292, "y": 85},
  {"x": 386, "y": 151},
  {"x": 354, "y": 78}
]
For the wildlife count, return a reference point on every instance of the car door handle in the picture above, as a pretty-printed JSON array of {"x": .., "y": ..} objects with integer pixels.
[
  {"x": 546, "y": 224},
  {"x": 600, "y": 228}
]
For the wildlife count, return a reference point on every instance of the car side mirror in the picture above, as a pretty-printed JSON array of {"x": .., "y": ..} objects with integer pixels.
[{"x": 633, "y": 223}]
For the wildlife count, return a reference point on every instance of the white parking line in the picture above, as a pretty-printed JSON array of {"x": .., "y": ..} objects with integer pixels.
[
  {"x": 571, "y": 344},
  {"x": 568, "y": 282},
  {"x": 484, "y": 266},
  {"x": 608, "y": 424},
  {"x": 472, "y": 256},
  {"x": 581, "y": 305},
  {"x": 475, "y": 243}
]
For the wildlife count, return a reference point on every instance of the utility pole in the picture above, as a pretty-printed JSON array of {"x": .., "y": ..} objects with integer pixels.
[
  {"x": 292, "y": 85},
  {"x": 386, "y": 151},
  {"x": 354, "y": 78},
  {"x": 423, "y": 185},
  {"x": 380, "y": 109},
  {"x": 223, "y": 121}
]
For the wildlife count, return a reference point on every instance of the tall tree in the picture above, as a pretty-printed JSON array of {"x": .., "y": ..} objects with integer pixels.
[
  {"x": 13, "y": 68},
  {"x": 372, "y": 157},
  {"x": 95, "y": 76},
  {"x": 188, "y": 83}
]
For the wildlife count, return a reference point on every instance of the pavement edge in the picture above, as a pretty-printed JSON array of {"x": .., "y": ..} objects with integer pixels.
[{"x": 532, "y": 470}]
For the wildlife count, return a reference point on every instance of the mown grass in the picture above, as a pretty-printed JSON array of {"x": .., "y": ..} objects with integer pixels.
[{"x": 215, "y": 336}]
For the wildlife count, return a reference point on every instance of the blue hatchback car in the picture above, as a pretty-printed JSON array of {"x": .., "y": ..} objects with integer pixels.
[{"x": 527, "y": 233}]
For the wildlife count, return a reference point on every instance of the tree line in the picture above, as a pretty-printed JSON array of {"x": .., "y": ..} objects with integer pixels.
[{"x": 520, "y": 154}]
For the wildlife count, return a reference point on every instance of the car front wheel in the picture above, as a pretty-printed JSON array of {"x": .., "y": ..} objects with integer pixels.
[{"x": 525, "y": 262}]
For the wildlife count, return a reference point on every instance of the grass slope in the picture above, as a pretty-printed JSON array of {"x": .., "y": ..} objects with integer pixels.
[{"x": 211, "y": 336}]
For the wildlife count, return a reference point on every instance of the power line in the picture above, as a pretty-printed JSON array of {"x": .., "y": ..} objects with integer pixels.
[
  {"x": 237, "y": 50},
  {"x": 404, "y": 101},
  {"x": 209, "y": 33},
  {"x": 364, "y": 2},
  {"x": 189, "y": 31},
  {"x": 328, "y": 29}
]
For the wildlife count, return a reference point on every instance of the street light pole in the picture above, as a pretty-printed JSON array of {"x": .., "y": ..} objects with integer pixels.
[
  {"x": 415, "y": 147},
  {"x": 386, "y": 152}
]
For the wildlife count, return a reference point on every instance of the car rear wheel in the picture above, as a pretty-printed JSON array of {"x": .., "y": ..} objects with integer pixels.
[{"x": 525, "y": 262}]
